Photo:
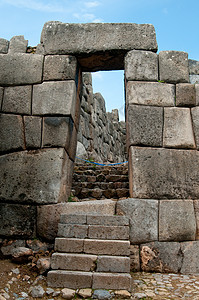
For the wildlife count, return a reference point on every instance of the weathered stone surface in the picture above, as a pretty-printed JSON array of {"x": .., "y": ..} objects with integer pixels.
[
  {"x": 108, "y": 232},
  {"x": 141, "y": 65},
  {"x": 193, "y": 67},
  {"x": 4, "y": 46},
  {"x": 143, "y": 215},
  {"x": 11, "y": 133},
  {"x": 134, "y": 258},
  {"x": 173, "y": 66},
  {"x": 197, "y": 93},
  {"x": 122, "y": 294},
  {"x": 144, "y": 125},
  {"x": 108, "y": 220},
  {"x": 194, "y": 79},
  {"x": 163, "y": 257},
  {"x": 18, "y": 44},
  {"x": 34, "y": 177},
  {"x": 72, "y": 261},
  {"x": 176, "y": 220},
  {"x": 1, "y": 96},
  {"x": 107, "y": 247},
  {"x": 68, "y": 293},
  {"x": 178, "y": 130},
  {"x": 10, "y": 246},
  {"x": 17, "y": 99},
  {"x": 60, "y": 67},
  {"x": 73, "y": 219},
  {"x": 85, "y": 293},
  {"x": 81, "y": 151},
  {"x": 195, "y": 120},
  {"x": 163, "y": 173},
  {"x": 33, "y": 131},
  {"x": 58, "y": 97},
  {"x": 69, "y": 245},
  {"x": 21, "y": 254},
  {"x": 30, "y": 67},
  {"x": 150, "y": 93},
  {"x": 72, "y": 231},
  {"x": 111, "y": 281},
  {"x": 185, "y": 94},
  {"x": 190, "y": 264},
  {"x": 101, "y": 294},
  {"x": 196, "y": 210},
  {"x": 17, "y": 220},
  {"x": 37, "y": 292},
  {"x": 113, "y": 264},
  {"x": 98, "y": 46},
  {"x": 69, "y": 279},
  {"x": 48, "y": 216},
  {"x": 43, "y": 264}
]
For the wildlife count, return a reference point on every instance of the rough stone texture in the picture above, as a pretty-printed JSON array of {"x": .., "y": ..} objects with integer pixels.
[
  {"x": 178, "y": 130},
  {"x": 11, "y": 133},
  {"x": 69, "y": 245},
  {"x": 70, "y": 279},
  {"x": 4, "y": 46},
  {"x": 108, "y": 247},
  {"x": 164, "y": 257},
  {"x": 150, "y": 93},
  {"x": 85, "y": 293},
  {"x": 196, "y": 210},
  {"x": 17, "y": 99},
  {"x": 68, "y": 293},
  {"x": 48, "y": 216},
  {"x": 190, "y": 253},
  {"x": 18, "y": 44},
  {"x": 101, "y": 295},
  {"x": 194, "y": 79},
  {"x": 141, "y": 65},
  {"x": 173, "y": 66},
  {"x": 111, "y": 281},
  {"x": 144, "y": 125},
  {"x": 163, "y": 173},
  {"x": 17, "y": 220},
  {"x": 193, "y": 67},
  {"x": 197, "y": 93},
  {"x": 58, "y": 97},
  {"x": 113, "y": 264},
  {"x": 135, "y": 258},
  {"x": 33, "y": 131},
  {"x": 108, "y": 232},
  {"x": 10, "y": 247},
  {"x": 1, "y": 96},
  {"x": 73, "y": 219},
  {"x": 98, "y": 46},
  {"x": 185, "y": 94},
  {"x": 74, "y": 262},
  {"x": 143, "y": 215},
  {"x": 81, "y": 151},
  {"x": 110, "y": 221},
  {"x": 30, "y": 67},
  {"x": 60, "y": 67},
  {"x": 20, "y": 171},
  {"x": 37, "y": 292},
  {"x": 176, "y": 220},
  {"x": 122, "y": 294},
  {"x": 195, "y": 120},
  {"x": 72, "y": 231}
]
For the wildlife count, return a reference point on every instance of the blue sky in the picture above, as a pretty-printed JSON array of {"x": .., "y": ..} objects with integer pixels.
[{"x": 176, "y": 24}]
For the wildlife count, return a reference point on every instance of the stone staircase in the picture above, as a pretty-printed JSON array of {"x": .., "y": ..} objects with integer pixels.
[
  {"x": 92, "y": 251},
  {"x": 99, "y": 182}
]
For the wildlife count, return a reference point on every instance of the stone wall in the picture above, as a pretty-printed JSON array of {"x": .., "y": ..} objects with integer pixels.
[{"x": 102, "y": 136}]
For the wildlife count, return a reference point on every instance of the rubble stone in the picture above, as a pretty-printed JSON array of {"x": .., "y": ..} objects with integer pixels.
[
  {"x": 4, "y": 46},
  {"x": 68, "y": 293},
  {"x": 185, "y": 94},
  {"x": 18, "y": 44}
]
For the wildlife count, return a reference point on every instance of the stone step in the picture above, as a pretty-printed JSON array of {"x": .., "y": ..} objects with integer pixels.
[
  {"x": 86, "y": 262},
  {"x": 97, "y": 280},
  {"x": 83, "y": 193},
  {"x": 101, "y": 185},
  {"x": 100, "y": 178},
  {"x": 93, "y": 231},
  {"x": 91, "y": 246}
]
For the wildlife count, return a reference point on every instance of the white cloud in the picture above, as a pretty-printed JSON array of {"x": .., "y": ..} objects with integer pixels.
[
  {"x": 97, "y": 75},
  {"x": 91, "y": 4}
]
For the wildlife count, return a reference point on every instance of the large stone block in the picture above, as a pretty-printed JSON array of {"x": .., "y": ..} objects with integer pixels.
[
  {"x": 70, "y": 279},
  {"x": 178, "y": 130},
  {"x": 195, "y": 120},
  {"x": 11, "y": 133},
  {"x": 52, "y": 98},
  {"x": 48, "y": 216},
  {"x": 144, "y": 125},
  {"x": 173, "y": 66},
  {"x": 163, "y": 257},
  {"x": 60, "y": 67},
  {"x": 177, "y": 220},
  {"x": 141, "y": 65},
  {"x": 4, "y": 46},
  {"x": 33, "y": 128},
  {"x": 17, "y": 220},
  {"x": 163, "y": 173},
  {"x": 98, "y": 46},
  {"x": 150, "y": 93},
  {"x": 196, "y": 210},
  {"x": 108, "y": 232},
  {"x": 107, "y": 247},
  {"x": 73, "y": 219},
  {"x": 69, "y": 245},
  {"x": 143, "y": 215},
  {"x": 18, "y": 44},
  {"x": 197, "y": 93},
  {"x": 185, "y": 94},
  {"x": 73, "y": 231},
  {"x": 73, "y": 261},
  {"x": 30, "y": 67},
  {"x": 193, "y": 67},
  {"x": 17, "y": 99},
  {"x": 108, "y": 221},
  {"x": 111, "y": 281},
  {"x": 113, "y": 264},
  {"x": 190, "y": 254},
  {"x": 34, "y": 177}
]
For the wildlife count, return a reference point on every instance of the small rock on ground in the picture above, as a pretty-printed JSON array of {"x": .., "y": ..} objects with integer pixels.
[
  {"x": 68, "y": 293},
  {"x": 101, "y": 294}
]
